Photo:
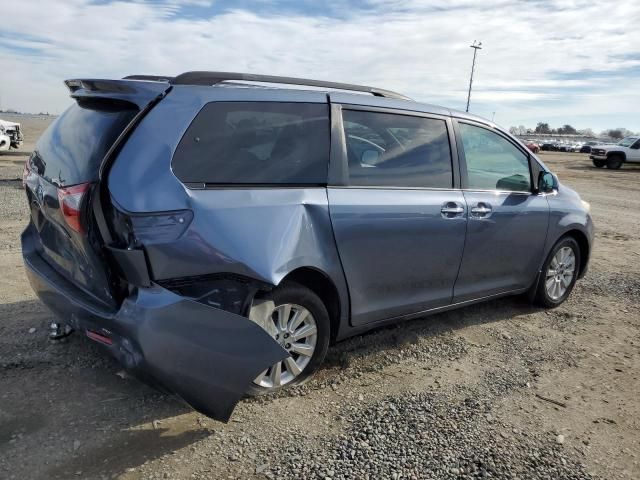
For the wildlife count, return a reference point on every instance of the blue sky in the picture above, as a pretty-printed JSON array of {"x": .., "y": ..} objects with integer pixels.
[{"x": 557, "y": 61}]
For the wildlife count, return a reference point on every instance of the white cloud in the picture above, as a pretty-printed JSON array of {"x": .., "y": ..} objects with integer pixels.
[{"x": 530, "y": 64}]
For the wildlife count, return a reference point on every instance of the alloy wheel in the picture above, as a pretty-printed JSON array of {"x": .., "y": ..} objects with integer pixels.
[
  {"x": 560, "y": 273},
  {"x": 294, "y": 328}
]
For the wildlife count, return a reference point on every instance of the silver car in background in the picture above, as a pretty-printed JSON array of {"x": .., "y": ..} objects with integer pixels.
[{"x": 10, "y": 135}]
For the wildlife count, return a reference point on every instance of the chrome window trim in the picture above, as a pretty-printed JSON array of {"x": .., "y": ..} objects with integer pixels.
[
  {"x": 384, "y": 187},
  {"x": 498, "y": 192}
]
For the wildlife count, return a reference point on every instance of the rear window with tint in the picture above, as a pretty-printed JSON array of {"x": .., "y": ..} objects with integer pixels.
[
  {"x": 386, "y": 149},
  {"x": 255, "y": 143},
  {"x": 71, "y": 149}
]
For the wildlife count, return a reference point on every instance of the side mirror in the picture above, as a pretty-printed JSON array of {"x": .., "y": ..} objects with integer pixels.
[
  {"x": 369, "y": 157},
  {"x": 547, "y": 182}
]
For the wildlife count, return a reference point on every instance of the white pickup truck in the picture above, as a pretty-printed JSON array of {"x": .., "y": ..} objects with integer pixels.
[
  {"x": 613, "y": 156},
  {"x": 10, "y": 135}
]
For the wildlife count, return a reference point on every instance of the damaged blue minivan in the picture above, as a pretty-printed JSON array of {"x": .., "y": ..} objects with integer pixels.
[{"x": 216, "y": 231}]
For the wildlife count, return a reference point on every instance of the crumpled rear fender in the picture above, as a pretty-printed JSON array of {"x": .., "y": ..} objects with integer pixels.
[{"x": 207, "y": 356}]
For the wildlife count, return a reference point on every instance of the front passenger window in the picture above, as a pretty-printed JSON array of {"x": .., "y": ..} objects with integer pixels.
[{"x": 494, "y": 163}]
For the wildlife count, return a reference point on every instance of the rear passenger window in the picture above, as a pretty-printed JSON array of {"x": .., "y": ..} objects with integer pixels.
[
  {"x": 255, "y": 143},
  {"x": 385, "y": 149}
]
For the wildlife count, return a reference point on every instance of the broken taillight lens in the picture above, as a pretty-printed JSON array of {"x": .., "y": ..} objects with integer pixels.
[
  {"x": 160, "y": 227},
  {"x": 70, "y": 199}
]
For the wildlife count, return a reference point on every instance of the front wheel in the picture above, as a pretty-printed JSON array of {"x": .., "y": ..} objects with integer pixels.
[
  {"x": 559, "y": 273},
  {"x": 614, "y": 162},
  {"x": 297, "y": 319},
  {"x": 599, "y": 163}
]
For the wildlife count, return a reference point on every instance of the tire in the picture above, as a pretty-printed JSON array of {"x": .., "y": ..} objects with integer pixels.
[
  {"x": 599, "y": 163},
  {"x": 295, "y": 295},
  {"x": 545, "y": 296},
  {"x": 614, "y": 162}
]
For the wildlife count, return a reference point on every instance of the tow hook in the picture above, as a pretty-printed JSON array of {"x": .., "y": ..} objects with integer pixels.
[{"x": 58, "y": 331}]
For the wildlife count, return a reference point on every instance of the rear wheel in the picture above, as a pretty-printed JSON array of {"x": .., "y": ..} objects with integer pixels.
[
  {"x": 297, "y": 319},
  {"x": 559, "y": 273},
  {"x": 599, "y": 163},
  {"x": 614, "y": 162}
]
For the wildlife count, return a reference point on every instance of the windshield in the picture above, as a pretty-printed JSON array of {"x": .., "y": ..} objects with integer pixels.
[{"x": 627, "y": 142}]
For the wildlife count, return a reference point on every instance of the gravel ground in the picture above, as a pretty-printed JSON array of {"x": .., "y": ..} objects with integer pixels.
[
  {"x": 496, "y": 390},
  {"x": 432, "y": 436}
]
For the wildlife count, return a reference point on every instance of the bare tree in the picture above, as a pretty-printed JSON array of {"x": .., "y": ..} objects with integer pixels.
[
  {"x": 616, "y": 133},
  {"x": 542, "y": 128},
  {"x": 567, "y": 130}
]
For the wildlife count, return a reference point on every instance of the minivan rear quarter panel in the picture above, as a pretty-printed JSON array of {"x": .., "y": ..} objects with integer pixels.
[{"x": 263, "y": 232}]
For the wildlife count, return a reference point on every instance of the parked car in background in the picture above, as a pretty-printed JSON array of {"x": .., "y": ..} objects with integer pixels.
[
  {"x": 613, "y": 156},
  {"x": 217, "y": 239},
  {"x": 576, "y": 147},
  {"x": 5, "y": 142},
  {"x": 10, "y": 135},
  {"x": 586, "y": 148},
  {"x": 548, "y": 147},
  {"x": 534, "y": 147}
]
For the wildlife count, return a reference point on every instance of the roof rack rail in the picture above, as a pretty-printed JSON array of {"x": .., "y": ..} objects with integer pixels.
[
  {"x": 150, "y": 78},
  {"x": 213, "y": 78}
]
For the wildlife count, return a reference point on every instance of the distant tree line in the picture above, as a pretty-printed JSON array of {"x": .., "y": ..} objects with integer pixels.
[
  {"x": 11, "y": 111},
  {"x": 544, "y": 128}
]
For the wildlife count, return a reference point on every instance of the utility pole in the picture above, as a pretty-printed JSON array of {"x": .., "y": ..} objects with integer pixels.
[{"x": 476, "y": 46}]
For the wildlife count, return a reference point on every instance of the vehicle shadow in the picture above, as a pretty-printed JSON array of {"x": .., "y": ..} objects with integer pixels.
[
  {"x": 73, "y": 404},
  {"x": 410, "y": 331},
  {"x": 126, "y": 450},
  {"x": 72, "y": 392}
]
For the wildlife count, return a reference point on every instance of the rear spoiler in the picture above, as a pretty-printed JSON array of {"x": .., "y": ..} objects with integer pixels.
[{"x": 131, "y": 91}]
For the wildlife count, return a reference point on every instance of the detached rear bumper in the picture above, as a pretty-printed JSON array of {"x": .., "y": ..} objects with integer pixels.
[{"x": 208, "y": 357}]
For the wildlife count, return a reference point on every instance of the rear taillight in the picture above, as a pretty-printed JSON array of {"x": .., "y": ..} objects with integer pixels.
[{"x": 70, "y": 199}]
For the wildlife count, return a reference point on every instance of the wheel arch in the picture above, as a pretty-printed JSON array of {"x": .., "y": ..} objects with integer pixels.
[
  {"x": 585, "y": 248},
  {"x": 617, "y": 153},
  {"x": 322, "y": 285}
]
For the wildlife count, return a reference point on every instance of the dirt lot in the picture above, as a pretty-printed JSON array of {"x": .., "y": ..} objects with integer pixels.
[{"x": 499, "y": 390}]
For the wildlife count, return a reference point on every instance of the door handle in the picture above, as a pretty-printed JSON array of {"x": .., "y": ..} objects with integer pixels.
[
  {"x": 451, "y": 210},
  {"x": 481, "y": 210}
]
